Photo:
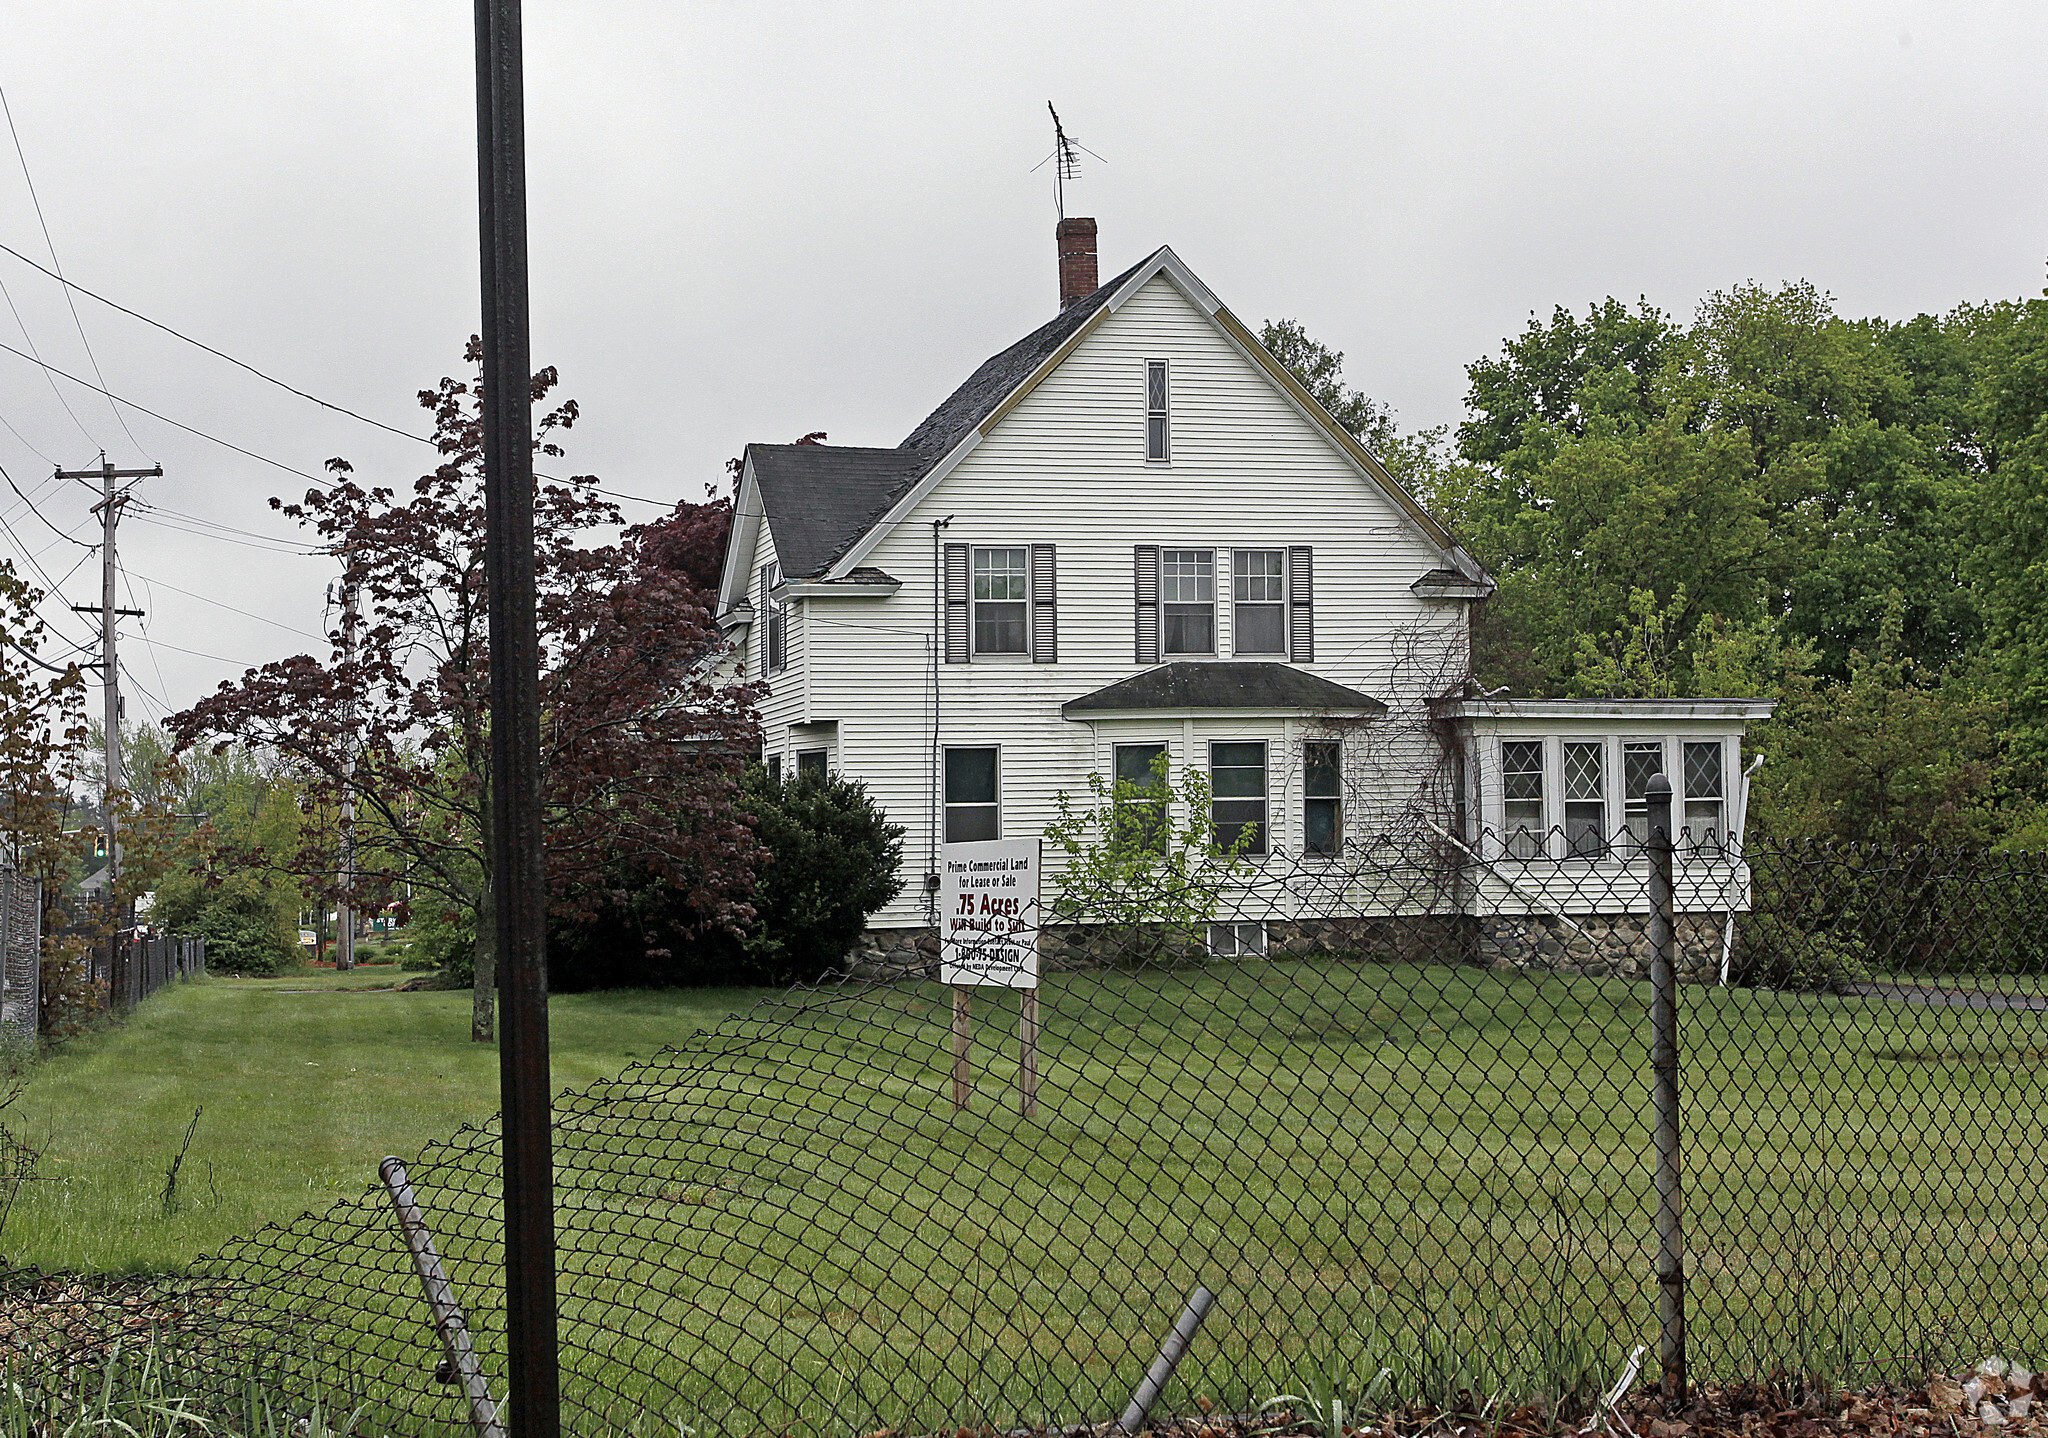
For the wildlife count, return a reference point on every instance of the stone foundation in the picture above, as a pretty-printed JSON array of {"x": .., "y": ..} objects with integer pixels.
[
  {"x": 1594, "y": 945},
  {"x": 1600, "y": 946}
]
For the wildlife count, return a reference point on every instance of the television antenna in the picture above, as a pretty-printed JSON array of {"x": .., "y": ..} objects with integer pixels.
[{"x": 1065, "y": 160}]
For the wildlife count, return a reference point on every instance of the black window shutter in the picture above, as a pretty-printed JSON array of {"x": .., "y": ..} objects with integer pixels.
[
  {"x": 1145, "y": 580},
  {"x": 956, "y": 604},
  {"x": 1045, "y": 615},
  {"x": 1301, "y": 604}
]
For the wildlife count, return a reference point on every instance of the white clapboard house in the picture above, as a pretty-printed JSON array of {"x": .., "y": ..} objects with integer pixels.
[{"x": 1133, "y": 531}]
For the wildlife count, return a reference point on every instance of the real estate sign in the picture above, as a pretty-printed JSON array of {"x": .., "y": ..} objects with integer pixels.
[{"x": 988, "y": 913}]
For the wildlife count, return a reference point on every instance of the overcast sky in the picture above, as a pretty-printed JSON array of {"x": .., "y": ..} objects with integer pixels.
[{"x": 751, "y": 221}]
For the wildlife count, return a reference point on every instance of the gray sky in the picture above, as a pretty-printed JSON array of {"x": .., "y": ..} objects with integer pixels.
[{"x": 755, "y": 220}]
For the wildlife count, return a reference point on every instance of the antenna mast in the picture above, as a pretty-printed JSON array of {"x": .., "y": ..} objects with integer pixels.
[{"x": 1066, "y": 158}]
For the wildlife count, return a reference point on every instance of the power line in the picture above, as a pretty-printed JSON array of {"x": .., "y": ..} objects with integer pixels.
[
  {"x": 210, "y": 523},
  {"x": 217, "y": 354},
  {"x": 145, "y": 409},
  {"x": 38, "y": 513},
  {"x": 37, "y": 201},
  {"x": 274, "y": 547},
  {"x": 195, "y": 653},
  {"x": 219, "y": 604},
  {"x": 292, "y": 389}
]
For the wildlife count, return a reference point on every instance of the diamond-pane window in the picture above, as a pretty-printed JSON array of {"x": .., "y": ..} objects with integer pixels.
[
  {"x": 1640, "y": 759},
  {"x": 1521, "y": 764},
  {"x": 1585, "y": 802},
  {"x": 1703, "y": 770},
  {"x": 1584, "y": 774}
]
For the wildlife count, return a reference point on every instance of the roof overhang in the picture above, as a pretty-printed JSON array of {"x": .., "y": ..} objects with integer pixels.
[
  {"x": 740, "y": 540},
  {"x": 1451, "y": 584},
  {"x": 862, "y": 584},
  {"x": 1222, "y": 688},
  {"x": 1571, "y": 711}
]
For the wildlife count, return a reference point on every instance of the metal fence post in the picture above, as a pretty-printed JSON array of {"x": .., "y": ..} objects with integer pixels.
[{"x": 1664, "y": 1072}]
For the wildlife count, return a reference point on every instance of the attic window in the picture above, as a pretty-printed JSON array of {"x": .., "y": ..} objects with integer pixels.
[{"x": 1155, "y": 410}]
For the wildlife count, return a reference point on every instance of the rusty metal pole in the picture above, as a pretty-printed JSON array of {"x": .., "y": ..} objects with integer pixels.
[
  {"x": 518, "y": 874},
  {"x": 1664, "y": 1072}
]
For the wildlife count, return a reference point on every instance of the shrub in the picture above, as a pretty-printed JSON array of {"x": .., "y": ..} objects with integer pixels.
[
  {"x": 1776, "y": 953},
  {"x": 241, "y": 933},
  {"x": 834, "y": 862},
  {"x": 1141, "y": 865}
]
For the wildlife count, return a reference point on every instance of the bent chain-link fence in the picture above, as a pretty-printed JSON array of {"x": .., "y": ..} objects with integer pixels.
[{"x": 1393, "y": 1109}]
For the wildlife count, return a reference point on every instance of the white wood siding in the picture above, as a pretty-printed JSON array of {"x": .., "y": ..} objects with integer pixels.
[{"x": 1067, "y": 466}]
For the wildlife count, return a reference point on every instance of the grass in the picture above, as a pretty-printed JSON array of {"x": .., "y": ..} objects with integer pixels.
[
  {"x": 306, "y": 1081},
  {"x": 1438, "y": 1171}
]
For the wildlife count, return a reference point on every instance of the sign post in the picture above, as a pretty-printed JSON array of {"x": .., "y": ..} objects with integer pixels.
[{"x": 988, "y": 937}]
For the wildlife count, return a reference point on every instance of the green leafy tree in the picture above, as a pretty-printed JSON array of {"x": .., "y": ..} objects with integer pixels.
[
  {"x": 1321, "y": 372},
  {"x": 1139, "y": 861}
]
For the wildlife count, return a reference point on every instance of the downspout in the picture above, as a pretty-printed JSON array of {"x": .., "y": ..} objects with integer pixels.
[
  {"x": 936, "y": 774},
  {"x": 1741, "y": 836}
]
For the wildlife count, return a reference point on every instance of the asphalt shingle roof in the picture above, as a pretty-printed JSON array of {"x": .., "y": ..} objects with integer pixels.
[
  {"x": 818, "y": 497},
  {"x": 821, "y": 498},
  {"x": 1221, "y": 684}
]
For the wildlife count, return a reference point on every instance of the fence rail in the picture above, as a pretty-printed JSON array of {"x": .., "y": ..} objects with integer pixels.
[{"x": 1393, "y": 1109}]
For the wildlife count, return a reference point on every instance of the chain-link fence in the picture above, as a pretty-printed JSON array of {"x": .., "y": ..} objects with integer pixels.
[
  {"x": 21, "y": 948},
  {"x": 133, "y": 967},
  {"x": 1393, "y": 1108}
]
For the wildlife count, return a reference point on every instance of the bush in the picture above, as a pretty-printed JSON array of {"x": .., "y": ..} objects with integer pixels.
[
  {"x": 241, "y": 933},
  {"x": 1775, "y": 953},
  {"x": 835, "y": 861},
  {"x": 441, "y": 939}
]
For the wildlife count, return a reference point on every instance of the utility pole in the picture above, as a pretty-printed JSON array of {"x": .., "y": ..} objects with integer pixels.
[
  {"x": 109, "y": 511},
  {"x": 345, "y": 911},
  {"x": 518, "y": 865}
]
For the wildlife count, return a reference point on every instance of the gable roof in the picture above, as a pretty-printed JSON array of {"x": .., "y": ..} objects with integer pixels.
[
  {"x": 999, "y": 376},
  {"x": 817, "y": 497},
  {"x": 832, "y": 499},
  {"x": 1220, "y": 684}
]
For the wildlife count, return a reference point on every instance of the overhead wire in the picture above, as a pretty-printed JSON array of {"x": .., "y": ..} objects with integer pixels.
[
  {"x": 37, "y": 201},
  {"x": 145, "y": 409},
  {"x": 221, "y": 604},
  {"x": 83, "y": 544},
  {"x": 267, "y": 378},
  {"x": 271, "y": 547}
]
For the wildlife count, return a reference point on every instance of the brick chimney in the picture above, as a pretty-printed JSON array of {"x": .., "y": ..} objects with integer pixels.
[{"x": 1077, "y": 260}]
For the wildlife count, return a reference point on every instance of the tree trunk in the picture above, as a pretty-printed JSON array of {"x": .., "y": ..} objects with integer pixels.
[{"x": 483, "y": 1018}]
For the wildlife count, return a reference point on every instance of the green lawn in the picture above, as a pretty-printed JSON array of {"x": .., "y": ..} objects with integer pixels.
[
  {"x": 1439, "y": 1170},
  {"x": 305, "y": 1081}
]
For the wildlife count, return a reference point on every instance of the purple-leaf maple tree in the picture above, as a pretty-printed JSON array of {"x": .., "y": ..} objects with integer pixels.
[{"x": 642, "y": 742}]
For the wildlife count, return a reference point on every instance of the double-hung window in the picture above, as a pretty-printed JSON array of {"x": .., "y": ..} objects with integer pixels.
[
  {"x": 973, "y": 806},
  {"x": 1002, "y": 589},
  {"x": 1140, "y": 798},
  {"x": 812, "y": 763},
  {"x": 1521, "y": 775},
  {"x": 1237, "y": 781},
  {"x": 1258, "y": 619},
  {"x": 1187, "y": 593},
  {"x": 1585, "y": 798},
  {"x": 1705, "y": 824},
  {"x": 1322, "y": 801},
  {"x": 1156, "y": 411}
]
